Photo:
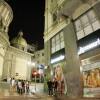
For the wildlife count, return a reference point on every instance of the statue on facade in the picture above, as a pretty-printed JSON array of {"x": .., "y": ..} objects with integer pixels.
[
  {"x": 20, "y": 33},
  {"x": 2, "y": 26}
]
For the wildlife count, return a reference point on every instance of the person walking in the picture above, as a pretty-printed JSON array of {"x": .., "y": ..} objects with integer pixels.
[
  {"x": 50, "y": 88},
  {"x": 26, "y": 87},
  {"x": 20, "y": 86},
  {"x": 55, "y": 87},
  {"x": 23, "y": 86},
  {"x": 13, "y": 85}
]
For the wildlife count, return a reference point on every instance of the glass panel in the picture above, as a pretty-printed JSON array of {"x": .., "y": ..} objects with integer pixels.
[
  {"x": 96, "y": 25},
  {"x": 57, "y": 47},
  {"x": 92, "y": 15},
  {"x": 62, "y": 45},
  {"x": 53, "y": 42},
  {"x": 57, "y": 37},
  {"x": 53, "y": 50},
  {"x": 78, "y": 25},
  {"x": 88, "y": 30},
  {"x": 61, "y": 39},
  {"x": 58, "y": 42},
  {"x": 85, "y": 20},
  {"x": 80, "y": 34}
]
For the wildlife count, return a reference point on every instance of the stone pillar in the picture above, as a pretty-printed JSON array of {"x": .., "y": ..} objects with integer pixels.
[
  {"x": 47, "y": 63},
  {"x": 47, "y": 52},
  {"x": 72, "y": 68}
]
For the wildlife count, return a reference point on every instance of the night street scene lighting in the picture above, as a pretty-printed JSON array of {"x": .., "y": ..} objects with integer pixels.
[{"x": 50, "y": 49}]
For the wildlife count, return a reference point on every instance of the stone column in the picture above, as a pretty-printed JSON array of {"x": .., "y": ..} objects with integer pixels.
[
  {"x": 72, "y": 68},
  {"x": 47, "y": 62},
  {"x": 47, "y": 52}
]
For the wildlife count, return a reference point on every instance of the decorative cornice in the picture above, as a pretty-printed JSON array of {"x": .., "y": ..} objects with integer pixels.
[{"x": 19, "y": 52}]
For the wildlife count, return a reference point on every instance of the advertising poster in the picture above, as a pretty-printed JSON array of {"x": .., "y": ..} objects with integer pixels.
[
  {"x": 58, "y": 75},
  {"x": 91, "y": 80}
]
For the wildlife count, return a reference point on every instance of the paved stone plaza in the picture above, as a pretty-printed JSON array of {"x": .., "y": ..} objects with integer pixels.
[{"x": 6, "y": 94}]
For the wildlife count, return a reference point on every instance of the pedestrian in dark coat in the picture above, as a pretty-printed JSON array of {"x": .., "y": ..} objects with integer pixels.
[{"x": 50, "y": 88}]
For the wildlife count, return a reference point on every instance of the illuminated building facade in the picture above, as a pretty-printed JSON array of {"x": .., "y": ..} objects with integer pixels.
[
  {"x": 39, "y": 59},
  {"x": 72, "y": 41},
  {"x": 15, "y": 61}
]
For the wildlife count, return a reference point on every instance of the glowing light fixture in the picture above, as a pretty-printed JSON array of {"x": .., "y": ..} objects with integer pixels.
[
  {"x": 61, "y": 57},
  {"x": 89, "y": 46},
  {"x": 31, "y": 63}
]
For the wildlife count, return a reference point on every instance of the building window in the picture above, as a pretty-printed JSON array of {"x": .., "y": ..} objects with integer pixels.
[
  {"x": 57, "y": 42},
  {"x": 86, "y": 24}
]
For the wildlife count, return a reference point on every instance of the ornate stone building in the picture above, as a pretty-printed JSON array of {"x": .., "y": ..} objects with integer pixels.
[
  {"x": 15, "y": 61},
  {"x": 72, "y": 42}
]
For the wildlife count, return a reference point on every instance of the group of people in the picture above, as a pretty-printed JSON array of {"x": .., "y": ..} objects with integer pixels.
[
  {"x": 19, "y": 86},
  {"x": 55, "y": 87}
]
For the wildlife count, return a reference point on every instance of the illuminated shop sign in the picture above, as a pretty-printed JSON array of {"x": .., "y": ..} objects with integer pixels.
[
  {"x": 59, "y": 58},
  {"x": 89, "y": 46}
]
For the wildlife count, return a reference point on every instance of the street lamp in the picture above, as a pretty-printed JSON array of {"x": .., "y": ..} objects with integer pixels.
[{"x": 35, "y": 73}]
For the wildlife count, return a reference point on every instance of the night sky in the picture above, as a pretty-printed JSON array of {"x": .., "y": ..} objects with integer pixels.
[{"x": 29, "y": 18}]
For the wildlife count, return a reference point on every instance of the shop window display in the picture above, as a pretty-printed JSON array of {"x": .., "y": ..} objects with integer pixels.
[{"x": 91, "y": 79}]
